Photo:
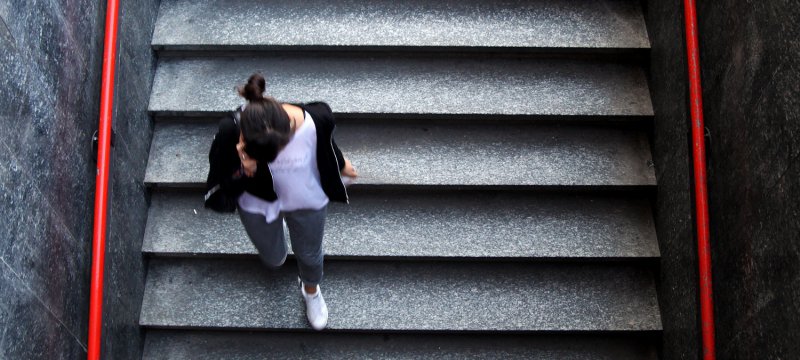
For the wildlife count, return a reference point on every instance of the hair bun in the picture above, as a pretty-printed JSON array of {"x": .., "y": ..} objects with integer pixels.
[{"x": 254, "y": 89}]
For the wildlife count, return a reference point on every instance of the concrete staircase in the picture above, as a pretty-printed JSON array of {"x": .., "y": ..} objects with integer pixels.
[{"x": 503, "y": 208}]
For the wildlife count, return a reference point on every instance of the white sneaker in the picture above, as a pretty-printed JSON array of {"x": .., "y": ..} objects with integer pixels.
[{"x": 316, "y": 309}]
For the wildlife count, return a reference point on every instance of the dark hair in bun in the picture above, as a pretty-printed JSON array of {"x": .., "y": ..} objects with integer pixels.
[
  {"x": 254, "y": 89},
  {"x": 265, "y": 125}
]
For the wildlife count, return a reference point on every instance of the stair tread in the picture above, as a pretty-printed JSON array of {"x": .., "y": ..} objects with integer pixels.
[
  {"x": 418, "y": 154},
  {"x": 477, "y": 225},
  {"x": 408, "y": 86},
  {"x": 392, "y": 296},
  {"x": 200, "y": 24},
  {"x": 201, "y": 345}
]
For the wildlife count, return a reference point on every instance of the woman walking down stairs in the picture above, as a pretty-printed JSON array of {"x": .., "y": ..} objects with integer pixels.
[{"x": 502, "y": 206}]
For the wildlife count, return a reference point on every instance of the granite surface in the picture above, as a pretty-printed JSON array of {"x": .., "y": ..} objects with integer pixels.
[
  {"x": 412, "y": 86},
  {"x": 171, "y": 345},
  {"x": 751, "y": 77},
  {"x": 29, "y": 329},
  {"x": 443, "y": 224},
  {"x": 128, "y": 198},
  {"x": 419, "y": 216},
  {"x": 674, "y": 201},
  {"x": 463, "y": 154},
  {"x": 50, "y": 62},
  {"x": 253, "y": 24},
  {"x": 49, "y": 59},
  {"x": 396, "y": 296}
]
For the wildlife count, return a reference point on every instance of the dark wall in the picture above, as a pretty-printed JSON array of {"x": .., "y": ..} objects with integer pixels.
[
  {"x": 128, "y": 198},
  {"x": 49, "y": 71},
  {"x": 751, "y": 92},
  {"x": 50, "y": 64},
  {"x": 751, "y": 78},
  {"x": 674, "y": 220}
]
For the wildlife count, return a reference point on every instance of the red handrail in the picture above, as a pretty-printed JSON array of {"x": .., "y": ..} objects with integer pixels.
[
  {"x": 700, "y": 191},
  {"x": 101, "y": 186}
]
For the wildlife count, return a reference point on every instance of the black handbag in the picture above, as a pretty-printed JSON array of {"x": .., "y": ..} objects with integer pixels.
[{"x": 216, "y": 197}]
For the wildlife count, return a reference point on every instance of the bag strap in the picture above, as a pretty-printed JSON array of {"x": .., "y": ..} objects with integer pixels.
[
  {"x": 237, "y": 115},
  {"x": 211, "y": 192}
]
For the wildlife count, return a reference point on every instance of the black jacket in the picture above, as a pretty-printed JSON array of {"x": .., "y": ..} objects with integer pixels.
[{"x": 224, "y": 174}]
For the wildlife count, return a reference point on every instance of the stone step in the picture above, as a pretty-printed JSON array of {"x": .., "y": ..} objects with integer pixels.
[
  {"x": 203, "y": 345},
  {"x": 403, "y": 296},
  {"x": 422, "y": 87},
  {"x": 477, "y": 225},
  {"x": 443, "y": 155},
  {"x": 462, "y": 24}
]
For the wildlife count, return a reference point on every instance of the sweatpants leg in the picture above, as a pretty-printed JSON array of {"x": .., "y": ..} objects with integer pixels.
[
  {"x": 268, "y": 238},
  {"x": 306, "y": 228}
]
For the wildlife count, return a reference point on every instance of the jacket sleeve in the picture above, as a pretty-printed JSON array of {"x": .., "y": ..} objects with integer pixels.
[
  {"x": 331, "y": 122},
  {"x": 330, "y": 160}
]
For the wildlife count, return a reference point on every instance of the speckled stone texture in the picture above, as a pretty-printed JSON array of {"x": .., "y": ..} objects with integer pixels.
[
  {"x": 751, "y": 75},
  {"x": 673, "y": 205},
  {"x": 407, "y": 85},
  {"x": 400, "y": 154},
  {"x": 447, "y": 224},
  {"x": 171, "y": 345},
  {"x": 750, "y": 78},
  {"x": 49, "y": 56},
  {"x": 128, "y": 197},
  {"x": 396, "y": 296},
  {"x": 505, "y": 188},
  {"x": 50, "y": 62},
  {"x": 29, "y": 329},
  {"x": 254, "y": 24}
]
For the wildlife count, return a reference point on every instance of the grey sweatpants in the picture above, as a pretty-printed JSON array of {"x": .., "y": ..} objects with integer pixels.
[{"x": 305, "y": 231}]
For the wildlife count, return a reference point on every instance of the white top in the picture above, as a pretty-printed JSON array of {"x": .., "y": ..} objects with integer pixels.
[{"x": 295, "y": 177}]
